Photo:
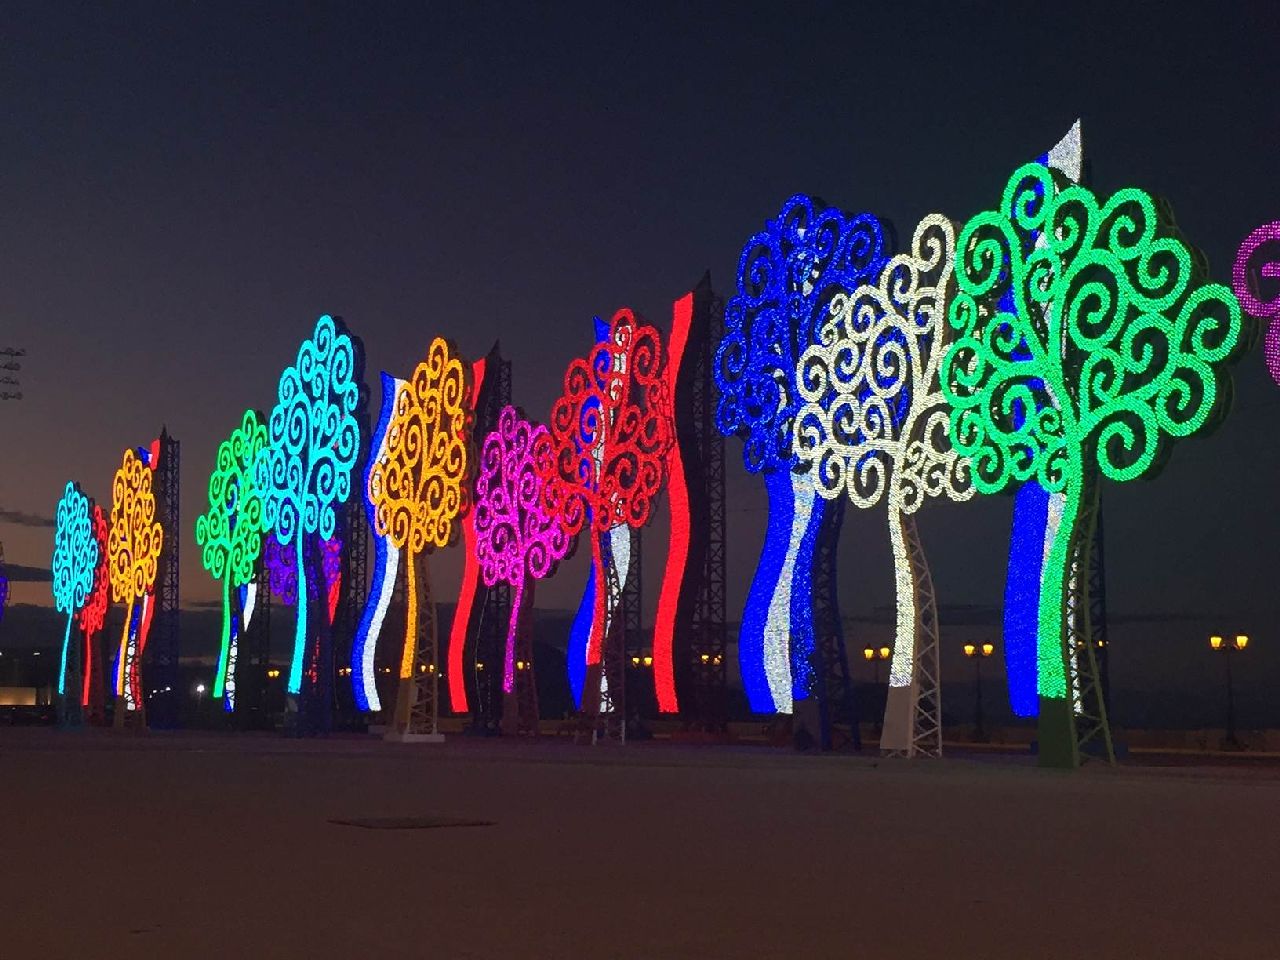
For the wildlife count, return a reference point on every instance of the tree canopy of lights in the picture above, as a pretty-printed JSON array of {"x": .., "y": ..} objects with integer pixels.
[
  {"x": 75, "y": 555},
  {"x": 874, "y": 418},
  {"x": 134, "y": 541},
  {"x": 419, "y": 487},
  {"x": 230, "y": 533},
  {"x": 1115, "y": 348},
  {"x": 304, "y": 473},
  {"x": 94, "y": 612},
  {"x": 788, "y": 275},
  {"x": 517, "y": 539},
  {"x": 610, "y": 432},
  {"x": 1258, "y": 260}
]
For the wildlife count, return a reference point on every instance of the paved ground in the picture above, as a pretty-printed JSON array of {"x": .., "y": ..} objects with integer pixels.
[{"x": 187, "y": 847}]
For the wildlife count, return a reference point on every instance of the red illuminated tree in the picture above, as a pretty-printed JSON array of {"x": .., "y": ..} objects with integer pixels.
[{"x": 611, "y": 431}]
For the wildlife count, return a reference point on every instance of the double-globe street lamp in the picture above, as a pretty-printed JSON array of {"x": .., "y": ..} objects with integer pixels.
[
  {"x": 977, "y": 652},
  {"x": 1236, "y": 645}
]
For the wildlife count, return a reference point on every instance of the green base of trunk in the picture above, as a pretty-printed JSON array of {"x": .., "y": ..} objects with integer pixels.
[{"x": 1057, "y": 734}]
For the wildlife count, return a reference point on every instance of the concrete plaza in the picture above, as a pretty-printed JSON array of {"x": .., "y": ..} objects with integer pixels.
[{"x": 189, "y": 846}]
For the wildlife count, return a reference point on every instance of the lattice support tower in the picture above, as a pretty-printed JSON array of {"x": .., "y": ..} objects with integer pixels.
[
  {"x": 708, "y": 661},
  {"x": 639, "y": 697},
  {"x": 1098, "y": 608},
  {"x": 604, "y": 693},
  {"x": 1090, "y": 727},
  {"x": 837, "y": 706},
  {"x": 492, "y": 609},
  {"x": 163, "y": 645},
  {"x": 926, "y": 691}
]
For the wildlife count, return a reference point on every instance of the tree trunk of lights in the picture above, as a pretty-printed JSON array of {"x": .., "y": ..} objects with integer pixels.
[
  {"x": 1056, "y": 728},
  {"x": 220, "y": 678},
  {"x": 899, "y": 708}
]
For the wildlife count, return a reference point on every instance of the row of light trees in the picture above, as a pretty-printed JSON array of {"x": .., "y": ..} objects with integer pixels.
[{"x": 1056, "y": 338}]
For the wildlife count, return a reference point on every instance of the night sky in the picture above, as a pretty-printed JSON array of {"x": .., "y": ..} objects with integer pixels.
[{"x": 184, "y": 188}]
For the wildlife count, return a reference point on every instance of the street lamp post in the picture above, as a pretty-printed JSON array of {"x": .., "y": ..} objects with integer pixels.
[
  {"x": 1237, "y": 645},
  {"x": 874, "y": 655},
  {"x": 977, "y": 653}
]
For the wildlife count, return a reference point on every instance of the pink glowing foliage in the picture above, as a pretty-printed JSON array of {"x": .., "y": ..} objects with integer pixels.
[
  {"x": 1257, "y": 262},
  {"x": 517, "y": 539}
]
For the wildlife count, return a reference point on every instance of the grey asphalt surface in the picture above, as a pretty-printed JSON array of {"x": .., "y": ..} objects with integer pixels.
[{"x": 191, "y": 846}]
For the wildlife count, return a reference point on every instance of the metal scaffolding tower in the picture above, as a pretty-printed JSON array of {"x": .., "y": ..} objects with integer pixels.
[
  {"x": 164, "y": 681},
  {"x": 638, "y": 700},
  {"x": 704, "y": 671},
  {"x": 837, "y": 706},
  {"x": 491, "y": 609}
]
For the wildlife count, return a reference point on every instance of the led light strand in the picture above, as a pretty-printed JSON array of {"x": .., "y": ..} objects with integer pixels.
[
  {"x": 673, "y": 574},
  {"x": 460, "y": 628},
  {"x": 94, "y": 612},
  {"x": 385, "y": 567}
]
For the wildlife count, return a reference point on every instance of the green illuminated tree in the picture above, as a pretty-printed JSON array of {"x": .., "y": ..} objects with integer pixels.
[
  {"x": 230, "y": 533},
  {"x": 1113, "y": 348}
]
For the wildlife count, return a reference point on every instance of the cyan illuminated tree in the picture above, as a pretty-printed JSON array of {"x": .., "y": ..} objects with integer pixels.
[
  {"x": 1115, "y": 348},
  {"x": 611, "y": 430},
  {"x": 304, "y": 473},
  {"x": 134, "y": 542},
  {"x": 788, "y": 275},
  {"x": 418, "y": 489},
  {"x": 874, "y": 427},
  {"x": 92, "y": 616},
  {"x": 230, "y": 533},
  {"x": 518, "y": 541},
  {"x": 75, "y": 555}
]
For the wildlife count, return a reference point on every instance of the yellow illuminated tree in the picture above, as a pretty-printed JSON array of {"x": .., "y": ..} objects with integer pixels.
[
  {"x": 133, "y": 545},
  {"x": 418, "y": 489}
]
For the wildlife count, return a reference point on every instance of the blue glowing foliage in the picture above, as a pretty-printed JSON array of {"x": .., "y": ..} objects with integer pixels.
[
  {"x": 75, "y": 557},
  {"x": 787, "y": 276},
  {"x": 305, "y": 473}
]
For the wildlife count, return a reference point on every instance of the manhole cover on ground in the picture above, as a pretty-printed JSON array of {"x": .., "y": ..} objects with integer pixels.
[{"x": 411, "y": 823}]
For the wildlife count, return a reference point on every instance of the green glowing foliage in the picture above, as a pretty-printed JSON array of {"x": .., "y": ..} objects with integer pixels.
[
  {"x": 230, "y": 534},
  {"x": 1086, "y": 341}
]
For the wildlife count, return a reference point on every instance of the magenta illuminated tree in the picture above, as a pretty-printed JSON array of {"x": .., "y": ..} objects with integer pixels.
[{"x": 518, "y": 541}]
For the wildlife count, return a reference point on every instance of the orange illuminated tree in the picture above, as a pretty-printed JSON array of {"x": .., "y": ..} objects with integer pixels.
[
  {"x": 419, "y": 489},
  {"x": 133, "y": 543}
]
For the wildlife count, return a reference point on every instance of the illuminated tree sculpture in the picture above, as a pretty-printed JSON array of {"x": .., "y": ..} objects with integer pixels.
[
  {"x": 230, "y": 535},
  {"x": 518, "y": 541},
  {"x": 874, "y": 426},
  {"x": 133, "y": 542},
  {"x": 418, "y": 489},
  {"x": 304, "y": 474},
  {"x": 92, "y": 616},
  {"x": 788, "y": 275},
  {"x": 75, "y": 555},
  {"x": 611, "y": 431},
  {"x": 1258, "y": 260},
  {"x": 1115, "y": 348}
]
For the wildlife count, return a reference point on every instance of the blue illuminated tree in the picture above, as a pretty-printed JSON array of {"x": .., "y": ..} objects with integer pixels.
[
  {"x": 788, "y": 275},
  {"x": 75, "y": 556},
  {"x": 304, "y": 474}
]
